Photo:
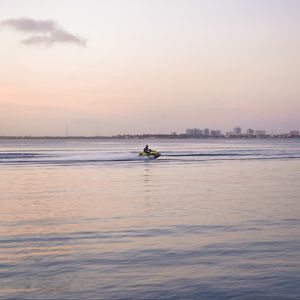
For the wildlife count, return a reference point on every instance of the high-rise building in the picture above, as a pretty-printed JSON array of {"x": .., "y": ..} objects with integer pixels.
[
  {"x": 206, "y": 132},
  {"x": 194, "y": 132},
  {"x": 250, "y": 131},
  {"x": 237, "y": 130}
]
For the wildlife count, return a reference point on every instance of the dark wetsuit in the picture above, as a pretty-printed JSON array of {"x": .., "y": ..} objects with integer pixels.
[{"x": 147, "y": 150}]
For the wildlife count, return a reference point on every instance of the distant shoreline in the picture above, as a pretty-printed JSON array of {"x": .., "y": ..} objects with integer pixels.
[{"x": 149, "y": 136}]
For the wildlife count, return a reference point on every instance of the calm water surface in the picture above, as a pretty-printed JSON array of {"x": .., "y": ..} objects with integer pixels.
[{"x": 210, "y": 219}]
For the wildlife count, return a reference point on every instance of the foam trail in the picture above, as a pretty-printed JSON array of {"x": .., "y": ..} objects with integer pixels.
[{"x": 94, "y": 151}]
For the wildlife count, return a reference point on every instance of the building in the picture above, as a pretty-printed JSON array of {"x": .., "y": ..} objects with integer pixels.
[
  {"x": 189, "y": 131},
  {"x": 237, "y": 130},
  {"x": 260, "y": 133},
  {"x": 250, "y": 131},
  {"x": 194, "y": 132},
  {"x": 206, "y": 132},
  {"x": 216, "y": 133}
]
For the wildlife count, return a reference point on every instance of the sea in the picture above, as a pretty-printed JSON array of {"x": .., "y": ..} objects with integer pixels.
[{"x": 209, "y": 219}]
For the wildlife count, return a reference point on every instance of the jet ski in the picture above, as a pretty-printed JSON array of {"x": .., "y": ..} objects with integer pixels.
[{"x": 152, "y": 155}]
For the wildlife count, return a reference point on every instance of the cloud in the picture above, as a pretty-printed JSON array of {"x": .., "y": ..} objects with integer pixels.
[
  {"x": 46, "y": 32},
  {"x": 58, "y": 36},
  {"x": 30, "y": 25}
]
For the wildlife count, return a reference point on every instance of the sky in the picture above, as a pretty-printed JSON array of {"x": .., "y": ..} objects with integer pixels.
[{"x": 105, "y": 67}]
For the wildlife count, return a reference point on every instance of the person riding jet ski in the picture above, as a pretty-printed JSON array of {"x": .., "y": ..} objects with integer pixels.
[
  {"x": 149, "y": 153},
  {"x": 147, "y": 150}
]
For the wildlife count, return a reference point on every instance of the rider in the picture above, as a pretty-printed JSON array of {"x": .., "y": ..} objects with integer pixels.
[{"x": 147, "y": 149}]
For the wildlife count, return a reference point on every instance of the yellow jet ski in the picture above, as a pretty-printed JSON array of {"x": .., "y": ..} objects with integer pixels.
[{"x": 151, "y": 155}]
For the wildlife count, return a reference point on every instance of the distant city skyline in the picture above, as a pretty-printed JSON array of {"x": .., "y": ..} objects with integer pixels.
[
  {"x": 136, "y": 66},
  {"x": 236, "y": 131},
  {"x": 205, "y": 131},
  {"x": 193, "y": 132}
]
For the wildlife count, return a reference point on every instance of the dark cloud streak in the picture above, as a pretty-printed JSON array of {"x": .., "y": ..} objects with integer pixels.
[
  {"x": 50, "y": 32},
  {"x": 30, "y": 25},
  {"x": 58, "y": 36}
]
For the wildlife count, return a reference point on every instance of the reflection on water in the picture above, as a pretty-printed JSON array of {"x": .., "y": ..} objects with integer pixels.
[{"x": 166, "y": 229}]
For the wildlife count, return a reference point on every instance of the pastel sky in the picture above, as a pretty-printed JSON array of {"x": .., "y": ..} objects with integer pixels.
[{"x": 148, "y": 66}]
